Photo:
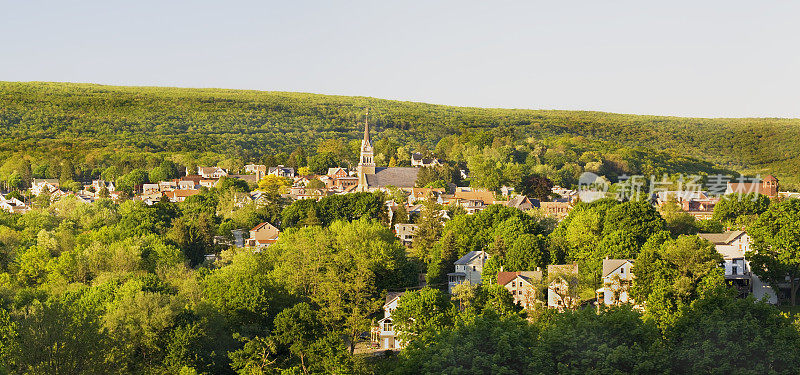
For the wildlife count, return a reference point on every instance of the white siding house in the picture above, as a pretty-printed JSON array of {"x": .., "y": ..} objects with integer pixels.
[
  {"x": 733, "y": 245},
  {"x": 468, "y": 268}
]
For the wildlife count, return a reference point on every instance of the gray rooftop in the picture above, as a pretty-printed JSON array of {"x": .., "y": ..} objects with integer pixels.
[
  {"x": 721, "y": 238},
  {"x": 394, "y": 176},
  {"x": 390, "y": 296},
  {"x": 472, "y": 257}
]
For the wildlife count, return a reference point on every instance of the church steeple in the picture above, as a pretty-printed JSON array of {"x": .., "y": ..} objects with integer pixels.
[
  {"x": 366, "y": 163},
  {"x": 366, "y": 140}
]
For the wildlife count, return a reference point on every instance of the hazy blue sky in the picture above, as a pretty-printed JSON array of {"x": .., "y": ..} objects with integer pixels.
[{"x": 713, "y": 59}]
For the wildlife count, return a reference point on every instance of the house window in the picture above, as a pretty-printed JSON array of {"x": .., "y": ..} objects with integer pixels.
[
  {"x": 622, "y": 270},
  {"x": 734, "y": 269},
  {"x": 473, "y": 268},
  {"x": 513, "y": 284},
  {"x": 387, "y": 326}
]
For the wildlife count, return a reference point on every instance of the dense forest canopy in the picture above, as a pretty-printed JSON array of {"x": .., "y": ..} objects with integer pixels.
[{"x": 87, "y": 122}]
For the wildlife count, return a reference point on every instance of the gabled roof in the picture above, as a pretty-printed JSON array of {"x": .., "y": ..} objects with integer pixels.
[
  {"x": 504, "y": 278},
  {"x": 281, "y": 168},
  {"x": 207, "y": 170},
  {"x": 472, "y": 257},
  {"x": 722, "y": 238},
  {"x": 391, "y": 296},
  {"x": 262, "y": 225},
  {"x": 333, "y": 171},
  {"x": 611, "y": 265},
  {"x": 519, "y": 200}
]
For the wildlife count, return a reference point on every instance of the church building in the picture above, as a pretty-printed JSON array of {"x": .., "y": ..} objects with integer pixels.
[{"x": 371, "y": 178}]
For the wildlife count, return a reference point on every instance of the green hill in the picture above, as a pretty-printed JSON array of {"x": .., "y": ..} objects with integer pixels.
[{"x": 86, "y": 121}]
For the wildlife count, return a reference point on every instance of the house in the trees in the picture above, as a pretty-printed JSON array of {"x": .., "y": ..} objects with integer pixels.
[
  {"x": 384, "y": 334},
  {"x": 212, "y": 172},
  {"x": 149, "y": 189},
  {"x": 100, "y": 184},
  {"x": 473, "y": 201},
  {"x": 767, "y": 186},
  {"x": 522, "y": 202},
  {"x": 467, "y": 269},
  {"x": 44, "y": 186},
  {"x": 523, "y": 286},
  {"x": 405, "y": 232},
  {"x": 167, "y": 185},
  {"x": 562, "y": 292},
  {"x": 371, "y": 178},
  {"x": 694, "y": 202},
  {"x": 733, "y": 245},
  {"x": 617, "y": 279},
  {"x": 262, "y": 235},
  {"x": 422, "y": 194},
  {"x": 281, "y": 171},
  {"x": 13, "y": 205},
  {"x": 569, "y": 195},
  {"x": 557, "y": 210},
  {"x": 417, "y": 160},
  {"x": 300, "y": 193},
  {"x": 257, "y": 170}
]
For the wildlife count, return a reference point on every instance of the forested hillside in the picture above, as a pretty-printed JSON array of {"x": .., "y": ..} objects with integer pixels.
[{"x": 86, "y": 121}]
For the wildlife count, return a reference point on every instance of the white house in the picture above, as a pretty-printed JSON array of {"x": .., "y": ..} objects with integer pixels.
[
  {"x": 13, "y": 205},
  {"x": 384, "y": 333},
  {"x": 468, "y": 268},
  {"x": 418, "y": 161},
  {"x": 617, "y": 279},
  {"x": 44, "y": 186},
  {"x": 281, "y": 171},
  {"x": 562, "y": 289},
  {"x": 733, "y": 245},
  {"x": 188, "y": 185}
]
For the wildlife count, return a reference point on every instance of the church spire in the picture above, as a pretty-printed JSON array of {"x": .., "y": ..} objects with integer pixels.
[{"x": 366, "y": 163}]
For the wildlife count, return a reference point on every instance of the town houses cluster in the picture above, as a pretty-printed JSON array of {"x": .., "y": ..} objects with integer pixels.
[{"x": 553, "y": 287}]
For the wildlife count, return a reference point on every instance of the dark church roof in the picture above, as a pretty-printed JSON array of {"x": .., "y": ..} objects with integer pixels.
[{"x": 402, "y": 177}]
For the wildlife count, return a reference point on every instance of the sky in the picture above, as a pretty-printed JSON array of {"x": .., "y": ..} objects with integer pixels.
[{"x": 682, "y": 58}]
